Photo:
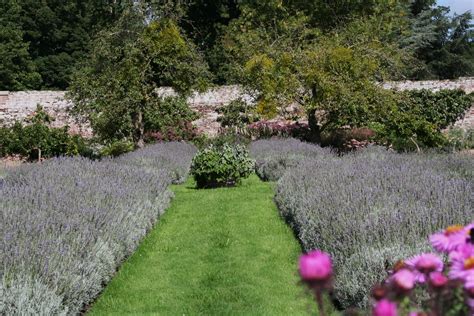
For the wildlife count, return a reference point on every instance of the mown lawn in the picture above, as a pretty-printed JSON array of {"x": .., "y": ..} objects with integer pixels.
[{"x": 215, "y": 252}]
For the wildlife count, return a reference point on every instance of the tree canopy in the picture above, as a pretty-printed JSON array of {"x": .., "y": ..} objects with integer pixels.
[
  {"x": 117, "y": 85},
  {"x": 49, "y": 38}
]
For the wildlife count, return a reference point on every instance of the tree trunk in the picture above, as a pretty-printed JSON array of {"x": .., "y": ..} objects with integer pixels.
[
  {"x": 140, "y": 129},
  {"x": 314, "y": 128}
]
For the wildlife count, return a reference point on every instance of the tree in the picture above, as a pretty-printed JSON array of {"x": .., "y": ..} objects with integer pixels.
[
  {"x": 60, "y": 32},
  {"x": 283, "y": 59},
  {"x": 448, "y": 50},
  {"x": 118, "y": 82},
  {"x": 17, "y": 70}
]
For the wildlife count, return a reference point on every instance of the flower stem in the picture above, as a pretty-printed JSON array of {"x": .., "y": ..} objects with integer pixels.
[{"x": 319, "y": 300}]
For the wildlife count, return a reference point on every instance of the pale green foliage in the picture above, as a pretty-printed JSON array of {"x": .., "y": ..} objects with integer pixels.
[{"x": 23, "y": 295}]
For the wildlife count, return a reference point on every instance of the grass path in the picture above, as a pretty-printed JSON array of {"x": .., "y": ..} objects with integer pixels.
[{"x": 215, "y": 252}]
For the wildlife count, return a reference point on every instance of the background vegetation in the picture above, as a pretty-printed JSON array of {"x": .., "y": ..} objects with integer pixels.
[{"x": 41, "y": 43}]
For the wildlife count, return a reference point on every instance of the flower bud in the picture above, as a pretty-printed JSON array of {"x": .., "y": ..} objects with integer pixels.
[
  {"x": 315, "y": 266},
  {"x": 385, "y": 308},
  {"x": 437, "y": 280}
]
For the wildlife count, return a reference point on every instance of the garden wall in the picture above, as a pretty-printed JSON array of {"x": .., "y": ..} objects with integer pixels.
[{"x": 20, "y": 105}]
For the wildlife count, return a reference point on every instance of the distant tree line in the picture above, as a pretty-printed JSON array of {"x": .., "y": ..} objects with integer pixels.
[{"x": 43, "y": 42}]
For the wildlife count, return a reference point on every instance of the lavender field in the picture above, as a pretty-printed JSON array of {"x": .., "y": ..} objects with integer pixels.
[
  {"x": 68, "y": 223},
  {"x": 372, "y": 208}
]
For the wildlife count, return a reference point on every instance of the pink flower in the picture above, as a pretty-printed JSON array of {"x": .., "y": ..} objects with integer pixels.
[
  {"x": 461, "y": 269},
  {"x": 404, "y": 279},
  {"x": 315, "y": 266},
  {"x": 385, "y": 308},
  {"x": 437, "y": 279},
  {"x": 449, "y": 239},
  {"x": 462, "y": 262},
  {"x": 424, "y": 264}
]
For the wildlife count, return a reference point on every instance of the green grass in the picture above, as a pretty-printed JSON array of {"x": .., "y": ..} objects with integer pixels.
[{"x": 215, "y": 252}]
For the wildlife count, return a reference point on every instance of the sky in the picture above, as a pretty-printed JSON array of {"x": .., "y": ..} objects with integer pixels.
[{"x": 458, "y": 6}]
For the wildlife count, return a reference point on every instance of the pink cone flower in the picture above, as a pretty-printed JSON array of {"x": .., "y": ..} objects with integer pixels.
[
  {"x": 449, "y": 239},
  {"x": 404, "y": 279},
  {"x": 462, "y": 262},
  {"x": 385, "y": 308},
  {"x": 315, "y": 266},
  {"x": 437, "y": 279},
  {"x": 462, "y": 252},
  {"x": 424, "y": 264},
  {"x": 462, "y": 268}
]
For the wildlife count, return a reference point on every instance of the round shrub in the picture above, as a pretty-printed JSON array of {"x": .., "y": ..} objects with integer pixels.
[{"x": 224, "y": 165}]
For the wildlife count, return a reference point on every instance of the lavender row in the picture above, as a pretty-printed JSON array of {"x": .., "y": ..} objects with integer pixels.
[
  {"x": 67, "y": 224},
  {"x": 370, "y": 209},
  {"x": 274, "y": 156},
  {"x": 173, "y": 156}
]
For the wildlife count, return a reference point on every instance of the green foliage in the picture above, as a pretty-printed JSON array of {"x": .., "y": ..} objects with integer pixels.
[
  {"x": 221, "y": 166},
  {"x": 449, "y": 51},
  {"x": 224, "y": 137},
  {"x": 418, "y": 118},
  {"x": 237, "y": 114},
  {"x": 17, "y": 70},
  {"x": 116, "y": 87},
  {"x": 38, "y": 140},
  {"x": 441, "y": 108},
  {"x": 169, "y": 113},
  {"x": 117, "y": 148},
  {"x": 405, "y": 131}
]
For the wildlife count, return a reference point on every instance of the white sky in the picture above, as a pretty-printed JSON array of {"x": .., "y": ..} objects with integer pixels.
[{"x": 458, "y": 6}]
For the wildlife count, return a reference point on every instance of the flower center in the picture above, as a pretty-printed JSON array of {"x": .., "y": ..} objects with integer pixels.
[
  {"x": 453, "y": 229},
  {"x": 400, "y": 264},
  {"x": 469, "y": 263}
]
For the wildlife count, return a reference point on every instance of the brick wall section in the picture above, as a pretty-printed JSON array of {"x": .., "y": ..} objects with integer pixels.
[{"x": 20, "y": 105}]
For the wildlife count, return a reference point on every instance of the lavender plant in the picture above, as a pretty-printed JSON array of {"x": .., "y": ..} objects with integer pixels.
[
  {"x": 173, "y": 156},
  {"x": 365, "y": 208},
  {"x": 67, "y": 224},
  {"x": 274, "y": 156}
]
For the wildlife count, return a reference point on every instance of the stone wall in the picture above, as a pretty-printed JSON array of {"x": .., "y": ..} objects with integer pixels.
[{"x": 21, "y": 105}]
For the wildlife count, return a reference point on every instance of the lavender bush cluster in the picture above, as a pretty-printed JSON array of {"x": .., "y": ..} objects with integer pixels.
[
  {"x": 67, "y": 224},
  {"x": 373, "y": 208},
  {"x": 173, "y": 156},
  {"x": 274, "y": 156}
]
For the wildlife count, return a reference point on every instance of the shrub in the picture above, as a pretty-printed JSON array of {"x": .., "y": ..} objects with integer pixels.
[
  {"x": 40, "y": 141},
  {"x": 237, "y": 114},
  {"x": 68, "y": 223},
  {"x": 269, "y": 129},
  {"x": 441, "y": 108},
  {"x": 170, "y": 120},
  {"x": 369, "y": 204},
  {"x": 348, "y": 139},
  {"x": 117, "y": 148},
  {"x": 221, "y": 166},
  {"x": 459, "y": 139},
  {"x": 418, "y": 117},
  {"x": 273, "y": 157}
]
